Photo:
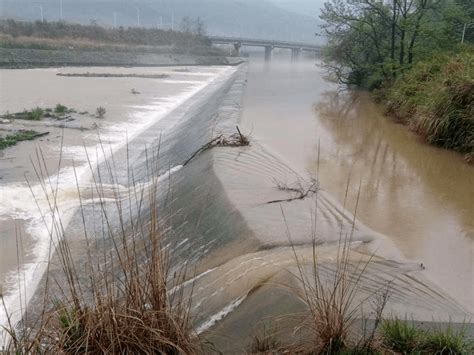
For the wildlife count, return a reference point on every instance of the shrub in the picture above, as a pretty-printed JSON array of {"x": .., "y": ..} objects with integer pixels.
[
  {"x": 35, "y": 114},
  {"x": 100, "y": 112},
  {"x": 12, "y": 139},
  {"x": 436, "y": 98},
  {"x": 61, "y": 109}
]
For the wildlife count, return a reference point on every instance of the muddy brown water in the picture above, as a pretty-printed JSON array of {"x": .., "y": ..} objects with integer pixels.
[
  {"x": 415, "y": 208},
  {"x": 419, "y": 196},
  {"x": 132, "y": 120}
]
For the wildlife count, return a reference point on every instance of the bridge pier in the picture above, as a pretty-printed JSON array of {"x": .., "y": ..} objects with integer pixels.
[
  {"x": 295, "y": 54},
  {"x": 237, "y": 47},
  {"x": 268, "y": 52}
]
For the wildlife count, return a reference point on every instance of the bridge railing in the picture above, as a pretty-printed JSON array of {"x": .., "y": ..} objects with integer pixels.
[{"x": 264, "y": 43}]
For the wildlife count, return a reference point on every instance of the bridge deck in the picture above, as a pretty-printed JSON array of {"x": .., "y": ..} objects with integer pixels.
[{"x": 264, "y": 43}]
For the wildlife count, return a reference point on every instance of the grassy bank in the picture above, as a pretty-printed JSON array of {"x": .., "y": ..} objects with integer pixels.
[
  {"x": 77, "y": 33},
  {"x": 9, "y": 41},
  {"x": 417, "y": 53},
  {"x": 58, "y": 43},
  {"x": 436, "y": 98}
]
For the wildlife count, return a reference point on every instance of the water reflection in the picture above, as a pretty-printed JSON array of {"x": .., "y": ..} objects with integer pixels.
[{"x": 420, "y": 196}]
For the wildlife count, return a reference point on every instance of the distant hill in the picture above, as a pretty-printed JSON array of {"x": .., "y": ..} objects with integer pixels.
[{"x": 247, "y": 18}]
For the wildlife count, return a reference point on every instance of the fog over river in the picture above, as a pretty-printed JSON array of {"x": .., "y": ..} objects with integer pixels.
[{"x": 415, "y": 215}]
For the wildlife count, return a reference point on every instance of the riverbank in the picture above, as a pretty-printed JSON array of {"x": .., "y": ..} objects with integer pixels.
[
  {"x": 44, "y": 44},
  {"x": 435, "y": 98}
]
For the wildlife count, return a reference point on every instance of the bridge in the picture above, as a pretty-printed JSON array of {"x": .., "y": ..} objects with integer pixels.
[{"x": 296, "y": 47}]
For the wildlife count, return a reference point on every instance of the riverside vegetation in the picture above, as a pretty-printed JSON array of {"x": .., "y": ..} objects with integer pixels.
[
  {"x": 416, "y": 55},
  {"x": 58, "y": 113},
  {"x": 16, "y": 137},
  {"x": 67, "y": 36},
  {"x": 46, "y": 44}
]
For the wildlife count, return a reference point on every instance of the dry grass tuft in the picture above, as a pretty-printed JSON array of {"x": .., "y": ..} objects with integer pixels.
[
  {"x": 267, "y": 341},
  {"x": 330, "y": 292},
  {"x": 301, "y": 190},
  {"x": 120, "y": 302},
  {"x": 234, "y": 140}
]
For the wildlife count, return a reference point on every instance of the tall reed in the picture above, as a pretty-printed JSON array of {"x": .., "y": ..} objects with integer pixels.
[
  {"x": 332, "y": 298},
  {"x": 118, "y": 299}
]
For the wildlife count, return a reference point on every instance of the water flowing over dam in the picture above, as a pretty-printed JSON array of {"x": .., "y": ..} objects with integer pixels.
[{"x": 235, "y": 215}]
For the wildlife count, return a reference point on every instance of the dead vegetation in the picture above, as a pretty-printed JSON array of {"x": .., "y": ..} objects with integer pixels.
[
  {"x": 332, "y": 305},
  {"x": 300, "y": 190},
  {"x": 109, "y": 302},
  {"x": 331, "y": 292},
  {"x": 234, "y": 140},
  {"x": 266, "y": 341}
]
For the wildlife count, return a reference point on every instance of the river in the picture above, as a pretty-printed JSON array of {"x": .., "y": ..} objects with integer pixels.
[
  {"x": 226, "y": 210},
  {"x": 420, "y": 196}
]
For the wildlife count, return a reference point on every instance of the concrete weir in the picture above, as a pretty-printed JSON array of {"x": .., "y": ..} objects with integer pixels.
[
  {"x": 255, "y": 248},
  {"x": 216, "y": 219}
]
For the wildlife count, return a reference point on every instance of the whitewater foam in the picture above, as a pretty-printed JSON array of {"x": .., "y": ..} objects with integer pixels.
[{"x": 57, "y": 190}]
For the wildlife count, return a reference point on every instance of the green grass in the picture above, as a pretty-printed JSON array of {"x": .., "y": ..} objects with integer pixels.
[
  {"x": 401, "y": 336},
  {"x": 35, "y": 114},
  {"x": 61, "y": 109},
  {"x": 436, "y": 98},
  {"x": 447, "y": 342},
  {"x": 12, "y": 139},
  {"x": 406, "y": 338}
]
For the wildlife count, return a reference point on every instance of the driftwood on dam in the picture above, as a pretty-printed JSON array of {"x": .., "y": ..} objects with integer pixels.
[
  {"x": 300, "y": 190},
  {"x": 234, "y": 140}
]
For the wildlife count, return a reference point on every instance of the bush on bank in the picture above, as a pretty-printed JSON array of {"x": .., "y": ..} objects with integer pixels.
[
  {"x": 416, "y": 53},
  {"x": 436, "y": 98}
]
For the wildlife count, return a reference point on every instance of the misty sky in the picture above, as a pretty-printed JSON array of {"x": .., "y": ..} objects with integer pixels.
[
  {"x": 305, "y": 7},
  {"x": 292, "y": 20}
]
